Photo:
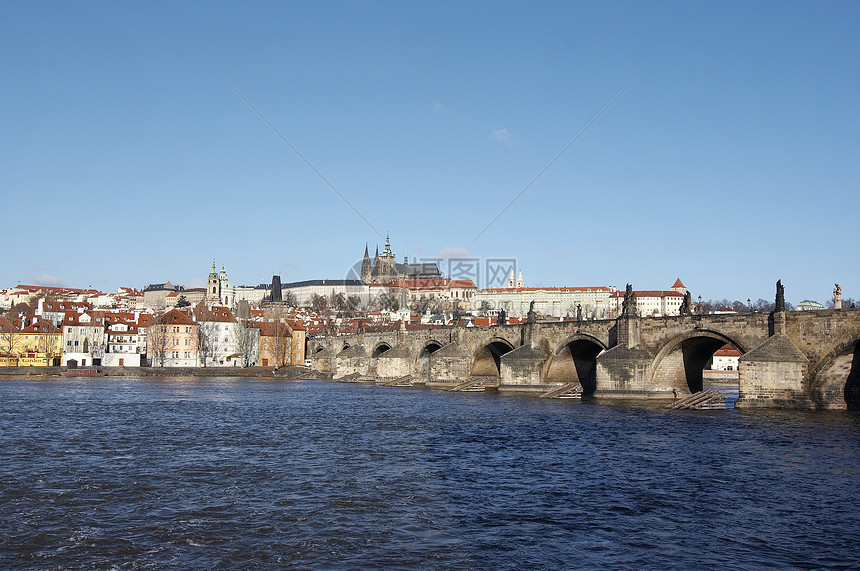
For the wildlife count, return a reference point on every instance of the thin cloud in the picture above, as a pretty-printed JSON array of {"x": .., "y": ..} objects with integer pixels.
[
  {"x": 438, "y": 108},
  {"x": 504, "y": 136},
  {"x": 47, "y": 280},
  {"x": 562, "y": 253},
  {"x": 453, "y": 252}
]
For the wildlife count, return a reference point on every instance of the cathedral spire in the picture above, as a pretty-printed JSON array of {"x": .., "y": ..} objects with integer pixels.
[{"x": 387, "y": 253}]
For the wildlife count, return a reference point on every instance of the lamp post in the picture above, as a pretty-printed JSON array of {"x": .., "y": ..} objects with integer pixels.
[
  {"x": 749, "y": 304},
  {"x": 700, "y": 306}
]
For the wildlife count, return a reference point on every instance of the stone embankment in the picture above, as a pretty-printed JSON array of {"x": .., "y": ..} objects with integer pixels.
[{"x": 201, "y": 372}]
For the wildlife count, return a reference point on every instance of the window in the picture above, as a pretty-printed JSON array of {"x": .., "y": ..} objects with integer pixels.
[{"x": 176, "y": 329}]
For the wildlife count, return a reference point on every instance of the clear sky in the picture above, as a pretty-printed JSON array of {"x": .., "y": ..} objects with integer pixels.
[{"x": 732, "y": 160}]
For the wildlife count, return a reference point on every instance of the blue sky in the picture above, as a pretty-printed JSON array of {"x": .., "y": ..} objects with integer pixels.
[{"x": 732, "y": 160}]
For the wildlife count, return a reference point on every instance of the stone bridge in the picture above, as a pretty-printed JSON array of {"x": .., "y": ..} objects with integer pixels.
[{"x": 800, "y": 359}]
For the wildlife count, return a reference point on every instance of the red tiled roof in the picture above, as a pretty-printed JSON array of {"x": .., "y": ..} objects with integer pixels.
[
  {"x": 40, "y": 327},
  {"x": 727, "y": 351},
  {"x": 217, "y": 313},
  {"x": 177, "y": 317},
  {"x": 649, "y": 293}
]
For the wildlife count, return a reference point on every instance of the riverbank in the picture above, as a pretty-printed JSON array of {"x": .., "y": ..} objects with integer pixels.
[{"x": 291, "y": 372}]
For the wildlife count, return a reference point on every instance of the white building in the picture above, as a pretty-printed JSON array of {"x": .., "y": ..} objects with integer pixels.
[
  {"x": 305, "y": 290},
  {"x": 548, "y": 301},
  {"x": 726, "y": 359},
  {"x": 223, "y": 340},
  {"x": 125, "y": 345},
  {"x": 653, "y": 303},
  {"x": 809, "y": 305},
  {"x": 83, "y": 339}
]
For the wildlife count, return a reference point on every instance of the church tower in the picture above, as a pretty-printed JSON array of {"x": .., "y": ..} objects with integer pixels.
[
  {"x": 365, "y": 266},
  {"x": 386, "y": 260},
  {"x": 213, "y": 286}
]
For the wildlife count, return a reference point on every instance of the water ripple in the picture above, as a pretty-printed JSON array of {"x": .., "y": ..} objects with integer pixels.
[{"x": 223, "y": 473}]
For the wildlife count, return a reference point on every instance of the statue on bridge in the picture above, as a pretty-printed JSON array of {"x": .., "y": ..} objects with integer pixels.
[
  {"x": 686, "y": 305},
  {"x": 837, "y": 297},
  {"x": 579, "y": 312},
  {"x": 531, "y": 316},
  {"x": 780, "y": 297},
  {"x": 502, "y": 319},
  {"x": 628, "y": 305}
]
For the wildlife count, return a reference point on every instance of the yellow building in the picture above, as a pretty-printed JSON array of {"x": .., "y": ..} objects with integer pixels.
[
  {"x": 37, "y": 345},
  {"x": 282, "y": 343}
]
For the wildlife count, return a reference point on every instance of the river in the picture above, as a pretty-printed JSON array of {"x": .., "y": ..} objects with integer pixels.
[{"x": 127, "y": 473}]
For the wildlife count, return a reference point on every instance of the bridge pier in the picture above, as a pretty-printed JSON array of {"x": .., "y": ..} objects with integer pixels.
[
  {"x": 523, "y": 370},
  {"x": 352, "y": 360},
  {"x": 774, "y": 375},
  {"x": 624, "y": 372},
  {"x": 449, "y": 366},
  {"x": 394, "y": 364}
]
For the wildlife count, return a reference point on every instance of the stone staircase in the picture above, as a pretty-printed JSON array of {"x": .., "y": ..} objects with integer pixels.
[
  {"x": 568, "y": 391},
  {"x": 404, "y": 381},
  {"x": 708, "y": 399},
  {"x": 473, "y": 385}
]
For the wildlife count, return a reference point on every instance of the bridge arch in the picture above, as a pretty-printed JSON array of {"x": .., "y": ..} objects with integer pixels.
[
  {"x": 379, "y": 349},
  {"x": 835, "y": 381},
  {"x": 429, "y": 347},
  {"x": 487, "y": 359},
  {"x": 576, "y": 360},
  {"x": 424, "y": 356},
  {"x": 679, "y": 363}
]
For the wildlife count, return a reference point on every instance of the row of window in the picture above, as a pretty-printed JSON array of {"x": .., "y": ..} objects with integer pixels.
[{"x": 175, "y": 355}]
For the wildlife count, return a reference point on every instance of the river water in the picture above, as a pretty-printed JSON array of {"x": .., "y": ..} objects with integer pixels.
[{"x": 225, "y": 473}]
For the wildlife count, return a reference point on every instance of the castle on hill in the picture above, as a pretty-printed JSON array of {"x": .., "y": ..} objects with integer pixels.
[{"x": 384, "y": 269}]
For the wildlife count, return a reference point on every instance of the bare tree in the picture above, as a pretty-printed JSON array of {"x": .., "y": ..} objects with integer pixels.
[
  {"x": 319, "y": 303},
  {"x": 338, "y": 301},
  {"x": 9, "y": 339},
  {"x": 95, "y": 347},
  {"x": 157, "y": 341},
  {"x": 387, "y": 301},
  {"x": 50, "y": 342},
  {"x": 290, "y": 299},
  {"x": 847, "y": 303},
  {"x": 206, "y": 337},
  {"x": 281, "y": 343},
  {"x": 353, "y": 302},
  {"x": 247, "y": 342}
]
